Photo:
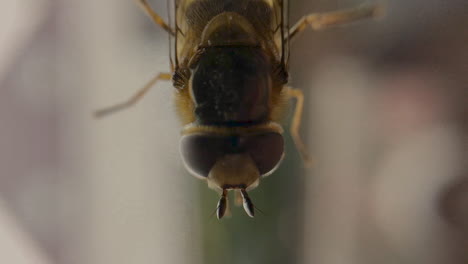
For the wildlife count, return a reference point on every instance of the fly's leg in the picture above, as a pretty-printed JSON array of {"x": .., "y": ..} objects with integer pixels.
[
  {"x": 155, "y": 17},
  {"x": 135, "y": 98},
  {"x": 296, "y": 124},
  {"x": 318, "y": 21}
]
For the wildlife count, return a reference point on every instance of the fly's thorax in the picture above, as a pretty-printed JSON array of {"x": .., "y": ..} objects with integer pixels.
[
  {"x": 231, "y": 86},
  {"x": 231, "y": 74},
  {"x": 232, "y": 159}
]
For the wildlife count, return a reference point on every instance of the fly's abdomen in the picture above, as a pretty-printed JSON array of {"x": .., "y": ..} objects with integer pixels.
[
  {"x": 200, "y": 12},
  {"x": 231, "y": 86}
]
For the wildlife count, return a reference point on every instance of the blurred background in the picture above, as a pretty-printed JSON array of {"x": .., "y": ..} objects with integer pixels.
[{"x": 386, "y": 119}]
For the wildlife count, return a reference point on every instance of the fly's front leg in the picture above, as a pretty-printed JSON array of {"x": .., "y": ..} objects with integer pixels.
[
  {"x": 296, "y": 124},
  {"x": 135, "y": 98},
  {"x": 320, "y": 21},
  {"x": 155, "y": 17}
]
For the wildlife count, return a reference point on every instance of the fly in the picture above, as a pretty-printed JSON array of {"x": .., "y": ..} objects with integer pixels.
[{"x": 229, "y": 68}]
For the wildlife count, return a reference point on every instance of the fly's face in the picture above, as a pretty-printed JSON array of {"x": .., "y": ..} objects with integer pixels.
[{"x": 229, "y": 67}]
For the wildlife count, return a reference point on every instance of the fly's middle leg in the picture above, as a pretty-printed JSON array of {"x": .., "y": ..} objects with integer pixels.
[
  {"x": 135, "y": 98},
  {"x": 296, "y": 124},
  {"x": 318, "y": 21},
  {"x": 155, "y": 17}
]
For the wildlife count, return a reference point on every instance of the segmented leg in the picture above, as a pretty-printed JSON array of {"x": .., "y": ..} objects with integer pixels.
[
  {"x": 320, "y": 21},
  {"x": 296, "y": 124},
  {"x": 155, "y": 17},
  {"x": 135, "y": 98}
]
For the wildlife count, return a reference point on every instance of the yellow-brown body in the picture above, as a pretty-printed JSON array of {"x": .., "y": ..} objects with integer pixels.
[{"x": 229, "y": 70}]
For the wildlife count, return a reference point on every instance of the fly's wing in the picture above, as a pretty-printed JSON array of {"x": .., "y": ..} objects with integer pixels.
[
  {"x": 190, "y": 19},
  {"x": 171, "y": 21},
  {"x": 276, "y": 32},
  {"x": 280, "y": 27},
  {"x": 269, "y": 17},
  {"x": 181, "y": 28},
  {"x": 283, "y": 5}
]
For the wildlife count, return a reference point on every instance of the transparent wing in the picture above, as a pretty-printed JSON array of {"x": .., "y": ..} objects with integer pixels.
[
  {"x": 189, "y": 24},
  {"x": 280, "y": 27},
  {"x": 286, "y": 27},
  {"x": 171, "y": 21}
]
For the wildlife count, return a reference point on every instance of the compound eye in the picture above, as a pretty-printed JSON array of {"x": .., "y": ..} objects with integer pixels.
[
  {"x": 266, "y": 150},
  {"x": 200, "y": 153}
]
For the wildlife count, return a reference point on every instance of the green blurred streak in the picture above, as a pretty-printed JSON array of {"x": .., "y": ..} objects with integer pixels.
[{"x": 272, "y": 236}]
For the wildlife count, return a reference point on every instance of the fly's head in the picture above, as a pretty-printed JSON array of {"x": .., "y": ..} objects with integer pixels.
[{"x": 232, "y": 161}]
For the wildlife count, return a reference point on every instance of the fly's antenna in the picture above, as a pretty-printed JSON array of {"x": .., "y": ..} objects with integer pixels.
[
  {"x": 248, "y": 205},
  {"x": 222, "y": 205},
  {"x": 261, "y": 211}
]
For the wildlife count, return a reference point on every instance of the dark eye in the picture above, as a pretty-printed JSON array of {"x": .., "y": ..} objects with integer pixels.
[
  {"x": 200, "y": 152},
  {"x": 266, "y": 150}
]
